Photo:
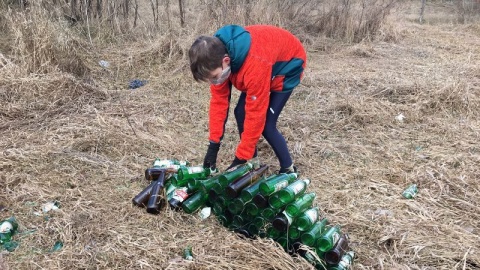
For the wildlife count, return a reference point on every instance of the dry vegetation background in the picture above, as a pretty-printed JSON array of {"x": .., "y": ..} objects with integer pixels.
[{"x": 72, "y": 131}]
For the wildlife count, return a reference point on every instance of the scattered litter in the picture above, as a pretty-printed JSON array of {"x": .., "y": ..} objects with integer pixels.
[
  {"x": 410, "y": 192},
  {"x": 133, "y": 84},
  {"x": 57, "y": 246},
  {"x": 104, "y": 64},
  {"x": 205, "y": 212},
  {"x": 50, "y": 206},
  {"x": 400, "y": 117},
  {"x": 47, "y": 207},
  {"x": 187, "y": 253},
  {"x": 383, "y": 212}
]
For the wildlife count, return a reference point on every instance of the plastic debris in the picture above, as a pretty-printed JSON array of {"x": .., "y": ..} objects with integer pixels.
[
  {"x": 50, "y": 206},
  {"x": 134, "y": 84},
  {"x": 400, "y": 117},
  {"x": 104, "y": 64},
  {"x": 410, "y": 192},
  {"x": 57, "y": 246},
  {"x": 205, "y": 212}
]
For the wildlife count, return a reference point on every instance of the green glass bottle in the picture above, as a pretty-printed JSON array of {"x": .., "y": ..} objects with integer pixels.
[
  {"x": 345, "y": 263},
  {"x": 228, "y": 177},
  {"x": 186, "y": 173},
  {"x": 313, "y": 258},
  {"x": 311, "y": 236},
  {"x": 273, "y": 233},
  {"x": 187, "y": 253},
  {"x": 194, "y": 202},
  {"x": 243, "y": 232},
  {"x": 195, "y": 184},
  {"x": 289, "y": 193},
  {"x": 410, "y": 192},
  {"x": 238, "y": 221},
  {"x": 178, "y": 196},
  {"x": 217, "y": 188},
  {"x": 252, "y": 229},
  {"x": 218, "y": 208},
  {"x": 249, "y": 192},
  {"x": 236, "y": 205},
  {"x": 300, "y": 205},
  {"x": 282, "y": 221},
  {"x": 334, "y": 255},
  {"x": 224, "y": 219},
  {"x": 306, "y": 220},
  {"x": 276, "y": 183},
  {"x": 259, "y": 222},
  {"x": 329, "y": 239},
  {"x": 293, "y": 232},
  {"x": 207, "y": 184},
  {"x": 261, "y": 201},
  {"x": 252, "y": 209},
  {"x": 8, "y": 227},
  {"x": 212, "y": 196},
  {"x": 269, "y": 213},
  {"x": 283, "y": 241}
]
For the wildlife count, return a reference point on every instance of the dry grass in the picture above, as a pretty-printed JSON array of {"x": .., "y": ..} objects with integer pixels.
[{"x": 67, "y": 138}]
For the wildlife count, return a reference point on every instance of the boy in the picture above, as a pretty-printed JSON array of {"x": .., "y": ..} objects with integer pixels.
[{"x": 265, "y": 63}]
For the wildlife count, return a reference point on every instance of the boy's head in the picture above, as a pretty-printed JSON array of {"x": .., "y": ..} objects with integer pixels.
[{"x": 208, "y": 58}]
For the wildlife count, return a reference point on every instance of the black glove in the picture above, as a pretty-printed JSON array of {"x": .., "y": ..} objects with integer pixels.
[
  {"x": 210, "y": 160},
  {"x": 236, "y": 162}
]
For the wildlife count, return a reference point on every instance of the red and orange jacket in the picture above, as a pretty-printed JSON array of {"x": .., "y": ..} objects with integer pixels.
[{"x": 263, "y": 59}]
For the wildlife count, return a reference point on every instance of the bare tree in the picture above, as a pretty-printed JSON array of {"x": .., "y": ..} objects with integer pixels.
[
  {"x": 182, "y": 13},
  {"x": 422, "y": 10}
]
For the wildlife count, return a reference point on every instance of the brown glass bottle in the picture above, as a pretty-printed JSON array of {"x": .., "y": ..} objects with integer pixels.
[
  {"x": 155, "y": 202},
  {"x": 142, "y": 198},
  {"x": 234, "y": 188},
  {"x": 334, "y": 255}
]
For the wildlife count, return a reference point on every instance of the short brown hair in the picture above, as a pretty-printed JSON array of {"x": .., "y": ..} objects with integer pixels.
[{"x": 206, "y": 54}]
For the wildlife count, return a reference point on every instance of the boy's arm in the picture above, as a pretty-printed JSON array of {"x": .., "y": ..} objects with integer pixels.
[{"x": 218, "y": 113}]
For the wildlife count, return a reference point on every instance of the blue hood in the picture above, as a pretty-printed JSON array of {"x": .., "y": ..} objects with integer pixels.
[{"x": 237, "y": 40}]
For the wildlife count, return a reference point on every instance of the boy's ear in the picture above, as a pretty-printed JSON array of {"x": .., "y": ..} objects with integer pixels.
[{"x": 226, "y": 59}]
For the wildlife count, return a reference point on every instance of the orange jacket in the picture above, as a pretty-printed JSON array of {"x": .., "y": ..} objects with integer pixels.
[{"x": 263, "y": 59}]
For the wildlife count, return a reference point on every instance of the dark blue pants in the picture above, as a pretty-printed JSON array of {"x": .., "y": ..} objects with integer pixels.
[{"x": 270, "y": 132}]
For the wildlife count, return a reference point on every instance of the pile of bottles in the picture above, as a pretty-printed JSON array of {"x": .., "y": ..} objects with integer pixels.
[{"x": 251, "y": 203}]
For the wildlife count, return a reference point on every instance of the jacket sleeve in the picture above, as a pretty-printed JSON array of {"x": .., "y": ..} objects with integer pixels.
[
  {"x": 256, "y": 105},
  {"x": 218, "y": 113}
]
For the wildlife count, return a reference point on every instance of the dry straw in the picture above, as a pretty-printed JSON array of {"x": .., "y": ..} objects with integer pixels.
[{"x": 65, "y": 137}]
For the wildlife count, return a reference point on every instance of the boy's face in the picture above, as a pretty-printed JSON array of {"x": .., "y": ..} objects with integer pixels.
[{"x": 220, "y": 74}]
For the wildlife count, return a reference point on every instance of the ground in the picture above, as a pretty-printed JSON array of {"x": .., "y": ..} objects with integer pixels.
[{"x": 87, "y": 149}]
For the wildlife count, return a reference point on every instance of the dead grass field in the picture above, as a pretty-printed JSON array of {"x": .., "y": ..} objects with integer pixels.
[{"x": 68, "y": 139}]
